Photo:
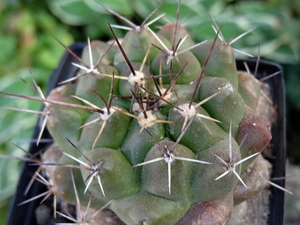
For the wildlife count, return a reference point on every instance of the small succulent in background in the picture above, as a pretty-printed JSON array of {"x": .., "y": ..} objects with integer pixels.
[{"x": 156, "y": 128}]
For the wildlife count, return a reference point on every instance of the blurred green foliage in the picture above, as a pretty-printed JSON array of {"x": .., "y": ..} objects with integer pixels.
[
  {"x": 278, "y": 30},
  {"x": 25, "y": 42}
]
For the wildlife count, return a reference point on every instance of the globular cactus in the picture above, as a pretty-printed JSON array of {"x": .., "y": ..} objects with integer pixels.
[{"x": 158, "y": 129}]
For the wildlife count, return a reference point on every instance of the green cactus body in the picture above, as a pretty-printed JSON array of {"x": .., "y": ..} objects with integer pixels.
[
  {"x": 167, "y": 32},
  {"x": 166, "y": 129},
  {"x": 126, "y": 86},
  {"x": 136, "y": 146},
  {"x": 63, "y": 186},
  {"x": 189, "y": 74},
  {"x": 111, "y": 127},
  {"x": 209, "y": 130},
  {"x": 145, "y": 208},
  {"x": 140, "y": 41},
  {"x": 205, "y": 187},
  {"x": 86, "y": 84},
  {"x": 112, "y": 163},
  {"x": 221, "y": 62},
  {"x": 227, "y": 107},
  {"x": 181, "y": 173},
  {"x": 73, "y": 117},
  {"x": 249, "y": 88}
]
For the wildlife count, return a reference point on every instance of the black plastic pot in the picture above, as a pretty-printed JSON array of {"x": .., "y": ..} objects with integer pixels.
[
  {"x": 25, "y": 214},
  {"x": 278, "y": 142}
]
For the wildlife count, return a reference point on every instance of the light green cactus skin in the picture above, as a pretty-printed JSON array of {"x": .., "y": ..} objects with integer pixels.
[{"x": 149, "y": 194}]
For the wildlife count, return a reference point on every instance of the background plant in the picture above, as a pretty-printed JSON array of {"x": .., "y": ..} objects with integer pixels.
[{"x": 25, "y": 43}]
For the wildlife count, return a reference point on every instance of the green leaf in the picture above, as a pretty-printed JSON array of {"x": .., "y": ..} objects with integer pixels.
[{"x": 82, "y": 12}]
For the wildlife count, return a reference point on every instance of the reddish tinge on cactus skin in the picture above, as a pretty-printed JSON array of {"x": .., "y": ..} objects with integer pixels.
[{"x": 157, "y": 129}]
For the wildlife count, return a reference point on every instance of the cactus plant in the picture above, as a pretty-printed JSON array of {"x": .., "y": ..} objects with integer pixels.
[{"x": 157, "y": 129}]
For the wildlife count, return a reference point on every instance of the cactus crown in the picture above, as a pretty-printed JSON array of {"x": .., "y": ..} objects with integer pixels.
[{"x": 153, "y": 125}]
